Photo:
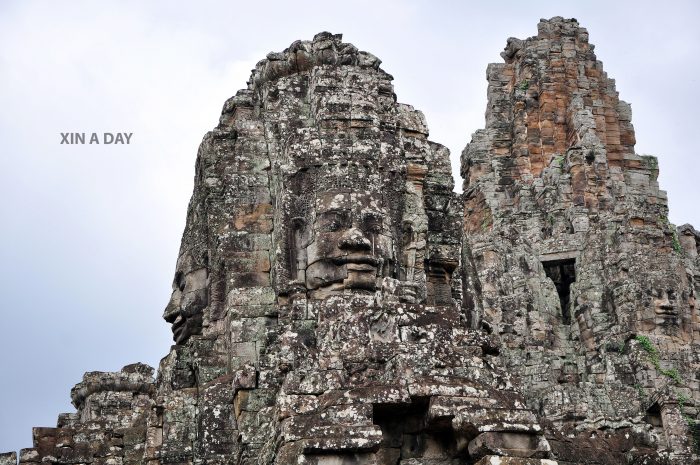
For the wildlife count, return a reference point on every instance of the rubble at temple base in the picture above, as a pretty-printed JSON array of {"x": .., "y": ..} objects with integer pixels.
[{"x": 336, "y": 302}]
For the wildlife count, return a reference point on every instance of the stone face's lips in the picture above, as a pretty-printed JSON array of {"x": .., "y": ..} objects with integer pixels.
[
  {"x": 361, "y": 267},
  {"x": 357, "y": 260}
]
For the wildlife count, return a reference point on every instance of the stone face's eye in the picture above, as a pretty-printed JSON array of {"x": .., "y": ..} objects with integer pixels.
[
  {"x": 180, "y": 281},
  {"x": 372, "y": 223},
  {"x": 334, "y": 221}
]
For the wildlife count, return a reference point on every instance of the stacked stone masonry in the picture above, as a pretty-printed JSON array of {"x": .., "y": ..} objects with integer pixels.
[{"x": 335, "y": 302}]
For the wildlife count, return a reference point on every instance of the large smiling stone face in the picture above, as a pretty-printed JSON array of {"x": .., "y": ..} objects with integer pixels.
[{"x": 350, "y": 241}]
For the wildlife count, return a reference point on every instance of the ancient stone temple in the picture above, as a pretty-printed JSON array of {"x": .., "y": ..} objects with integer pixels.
[{"x": 336, "y": 302}]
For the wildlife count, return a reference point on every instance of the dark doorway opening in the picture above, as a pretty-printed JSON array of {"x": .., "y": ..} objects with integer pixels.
[
  {"x": 562, "y": 273},
  {"x": 653, "y": 416},
  {"x": 408, "y": 435}
]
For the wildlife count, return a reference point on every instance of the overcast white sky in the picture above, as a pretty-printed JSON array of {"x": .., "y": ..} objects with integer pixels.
[{"x": 90, "y": 233}]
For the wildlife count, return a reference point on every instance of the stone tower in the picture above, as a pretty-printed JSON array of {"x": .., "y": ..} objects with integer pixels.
[
  {"x": 335, "y": 302},
  {"x": 570, "y": 257}
]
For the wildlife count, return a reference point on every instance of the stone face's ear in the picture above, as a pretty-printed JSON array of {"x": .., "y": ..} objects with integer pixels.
[
  {"x": 217, "y": 292},
  {"x": 297, "y": 240}
]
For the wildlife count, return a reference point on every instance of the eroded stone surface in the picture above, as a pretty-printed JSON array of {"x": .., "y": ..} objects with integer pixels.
[{"x": 335, "y": 302}]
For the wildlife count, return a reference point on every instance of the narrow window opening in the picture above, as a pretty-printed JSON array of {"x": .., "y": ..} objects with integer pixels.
[
  {"x": 653, "y": 416},
  {"x": 563, "y": 274}
]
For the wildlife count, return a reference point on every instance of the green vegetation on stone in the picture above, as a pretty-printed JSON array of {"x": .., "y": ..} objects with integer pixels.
[
  {"x": 675, "y": 242},
  {"x": 653, "y": 353}
]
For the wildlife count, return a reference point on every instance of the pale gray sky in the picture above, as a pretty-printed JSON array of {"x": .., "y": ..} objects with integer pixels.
[{"x": 90, "y": 233}]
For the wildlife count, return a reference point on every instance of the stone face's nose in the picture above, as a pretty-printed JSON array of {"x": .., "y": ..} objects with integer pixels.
[
  {"x": 353, "y": 239},
  {"x": 665, "y": 302},
  {"x": 173, "y": 308}
]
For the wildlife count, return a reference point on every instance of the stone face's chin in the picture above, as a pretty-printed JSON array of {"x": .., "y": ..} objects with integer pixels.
[
  {"x": 361, "y": 279},
  {"x": 179, "y": 331}
]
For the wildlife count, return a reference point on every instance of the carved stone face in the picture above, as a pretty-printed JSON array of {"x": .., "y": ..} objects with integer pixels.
[
  {"x": 189, "y": 298},
  {"x": 672, "y": 304},
  {"x": 666, "y": 306},
  {"x": 350, "y": 243}
]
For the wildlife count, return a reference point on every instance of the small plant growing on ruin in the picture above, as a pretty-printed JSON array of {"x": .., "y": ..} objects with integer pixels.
[
  {"x": 648, "y": 346},
  {"x": 675, "y": 242},
  {"x": 673, "y": 374},
  {"x": 653, "y": 353},
  {"x": 650, "y": 349},
  {"x": 524, "y": 85},
  {"x": 651, "y": 162}
]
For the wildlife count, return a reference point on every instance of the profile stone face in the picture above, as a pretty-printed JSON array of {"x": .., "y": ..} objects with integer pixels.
[
  {"x": 336, "y": 302},
  {"x": 189, "y": 299}
]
